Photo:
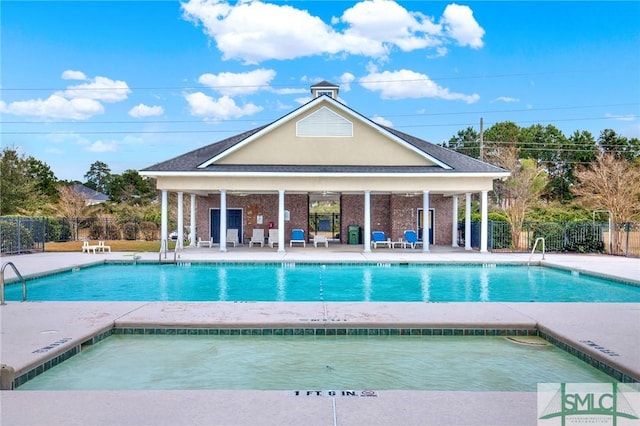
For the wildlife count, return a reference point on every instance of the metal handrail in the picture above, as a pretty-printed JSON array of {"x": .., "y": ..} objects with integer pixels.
[
  {"x": 163, "y": 249},
  {"x": 15, "y": 270},
  {"x": 534, "y": 249}
]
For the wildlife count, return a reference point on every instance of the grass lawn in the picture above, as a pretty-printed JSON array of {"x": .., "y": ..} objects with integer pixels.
[{"x": 116, "y": 245}]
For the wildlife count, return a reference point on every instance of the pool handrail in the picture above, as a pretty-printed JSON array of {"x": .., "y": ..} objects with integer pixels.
[
  {"x": 534, "y": 249},
  {"x": 15, "y": 270}
]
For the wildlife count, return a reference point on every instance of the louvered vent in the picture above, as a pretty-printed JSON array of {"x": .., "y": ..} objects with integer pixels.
[{"x": 324, "y": 123}]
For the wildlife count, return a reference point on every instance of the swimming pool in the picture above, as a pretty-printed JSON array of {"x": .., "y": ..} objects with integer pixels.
[
  {"x": 321, "y": 282},
  {"x": 303, "y": 362}
]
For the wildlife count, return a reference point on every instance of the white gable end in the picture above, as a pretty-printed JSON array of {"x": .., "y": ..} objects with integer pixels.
[{"x": 324, "y": 123}]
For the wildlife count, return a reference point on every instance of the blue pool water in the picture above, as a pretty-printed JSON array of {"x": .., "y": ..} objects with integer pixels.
[
  {"x": 457, "y": 363},
  {"x": 317, "y": 282}
]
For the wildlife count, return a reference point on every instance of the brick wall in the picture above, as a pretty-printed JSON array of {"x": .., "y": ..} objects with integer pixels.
[
  {"x": 253, "y": 205},
  {"x": 392, "y": 214}
]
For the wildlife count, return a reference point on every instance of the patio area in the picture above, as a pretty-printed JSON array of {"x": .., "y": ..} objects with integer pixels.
[{"x": 598, "y": 330}]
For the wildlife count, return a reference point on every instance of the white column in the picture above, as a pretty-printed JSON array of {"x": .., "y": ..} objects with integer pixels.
[
  {"x": 484, "y": 229},
  {"x": 164, "y": 233},
  {"x": 467, "y": 222},
  {"x": 454, "y": 225},
  {"x": 425, "y": 221},
  {"x": 192, "y": 222},
  {"x": 367, "y": 221},
  {"x": 180, "y": 241},
  {"x": 223, "y": 220},
  {"x": 281, "y": 243}
]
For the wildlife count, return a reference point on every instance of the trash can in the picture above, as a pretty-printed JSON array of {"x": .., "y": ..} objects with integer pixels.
[{"x": 353, "y": 234}]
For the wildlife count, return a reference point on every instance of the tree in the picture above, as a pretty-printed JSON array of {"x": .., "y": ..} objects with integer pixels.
[
  {"x": 518, "y": 193},
  {"x": 98, "y": 177},
  {"x": 466, "y": 142},
  {"x": 619, "y": 146},
  {"x": 546, "y": 145},
  {"x": 71, "y": 206},
  {"x": 45, "y": 180},
  {"x": 611, "y": 184},
  {"x": 500, "y": 135},
  {"x": 18, "y": 192},
  {"x": 131, "y": 188}
]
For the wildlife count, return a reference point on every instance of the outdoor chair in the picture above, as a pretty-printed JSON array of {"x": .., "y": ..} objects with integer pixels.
[
  {"x": 205, "y": 243},
  {"x": 297, "y": 236},
  {"x": 101, "y": 247},
  {"x": 257, "y": 237},
  {"x": 378, "y": 238},
  {"x": 273, "y": 237},
  {"x": 87, "y": 248},
  {"x": 232, "y": 237},
  {"x": 320, "y": 239},
  {"x": 412, "y": 238}
]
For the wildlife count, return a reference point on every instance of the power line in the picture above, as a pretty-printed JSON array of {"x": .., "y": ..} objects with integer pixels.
[
  {"x": 295, "y": 86},
  {"x": 434, "y": 114}
]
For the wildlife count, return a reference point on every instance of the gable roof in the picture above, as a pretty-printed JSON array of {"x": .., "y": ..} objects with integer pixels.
[
  {"x": 89, "y": 195},
  {"x": 203, "y": 160}
]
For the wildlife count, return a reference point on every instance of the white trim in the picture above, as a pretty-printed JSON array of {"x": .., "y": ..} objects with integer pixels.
[
  {"x": 324, "y": 174},
  {"x": 311, "y": 104},
  {"x": 324, "y": 123}
]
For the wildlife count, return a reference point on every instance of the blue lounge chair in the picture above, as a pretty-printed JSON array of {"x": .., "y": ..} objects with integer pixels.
[
  {"x": 297, "y": 236},
  {"x": 378, "y": 238},
  {"x": 412, "y": 238}
]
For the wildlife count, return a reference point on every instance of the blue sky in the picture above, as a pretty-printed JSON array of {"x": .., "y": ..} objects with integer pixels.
[{"x": 135, "y": 83}]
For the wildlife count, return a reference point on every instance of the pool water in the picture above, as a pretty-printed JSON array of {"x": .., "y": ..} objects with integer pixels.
[
  {"x": 317, "y": 282},
  {"x": 303, "y": 362}
]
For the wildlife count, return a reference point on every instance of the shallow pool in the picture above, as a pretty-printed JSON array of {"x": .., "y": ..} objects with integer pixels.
[
  {"x": 316, "y": 282},
  {"x": 470, "y": 363}
]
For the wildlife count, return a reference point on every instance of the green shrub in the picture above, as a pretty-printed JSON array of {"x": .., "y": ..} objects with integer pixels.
[
  {"x": 14, "y": 237},
  {"x": 553, "y": 234},
  {"x": 584, "y": 237}
]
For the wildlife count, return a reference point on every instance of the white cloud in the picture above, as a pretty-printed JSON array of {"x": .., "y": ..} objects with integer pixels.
[
  {"x": 256, "y": 31},
  {"x": 289, "y": 91},
  {"x": 462, "y": 27},
  {"x": 345, "y": 81},
  {"x": 629, "y": 117},
  {"x": 231, "y": 84},
  {"x": 102, "y": 146},
  {"x": 303, "y": 100},
  {"x": 506, "y": 99},
  {"x": 73, "y": 75},
  {"x": 142, "y": 110},
  {"x": 382, "y": 120},
  {"x": 221, "y": 109},
  {"x": 79, "y": 102},
  {"x": 378, "y": 24},
  {"x": 55, "y": 107},
  {"x": 404, "y": 84},
  {"x": 101, "y": 89},
  {"x": 253, "y": 31}
]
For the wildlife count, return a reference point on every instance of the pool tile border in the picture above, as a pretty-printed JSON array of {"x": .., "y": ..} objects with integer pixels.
[{"x": 323, "y": 331}]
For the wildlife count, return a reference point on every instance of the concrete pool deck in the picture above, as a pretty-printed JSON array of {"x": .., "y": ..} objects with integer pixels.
[{"x": 609, "y": 332}]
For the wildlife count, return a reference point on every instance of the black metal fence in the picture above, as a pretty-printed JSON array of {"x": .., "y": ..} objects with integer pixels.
[
  {"x": 25, "y": 234},
  {"x": 104, "y": 229},
  {"x": 22, "y": 234},
  {"x": 570, "y": 237}
]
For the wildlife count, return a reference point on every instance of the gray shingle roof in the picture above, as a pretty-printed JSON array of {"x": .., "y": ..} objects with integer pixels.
[{"x": 190, "y": 161}]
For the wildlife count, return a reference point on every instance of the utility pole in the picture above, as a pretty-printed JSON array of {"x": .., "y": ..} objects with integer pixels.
[{"x": 481, "y": 140}]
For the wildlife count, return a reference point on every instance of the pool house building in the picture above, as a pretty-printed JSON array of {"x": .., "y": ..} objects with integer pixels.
[{"x": 380, "y": 178}]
